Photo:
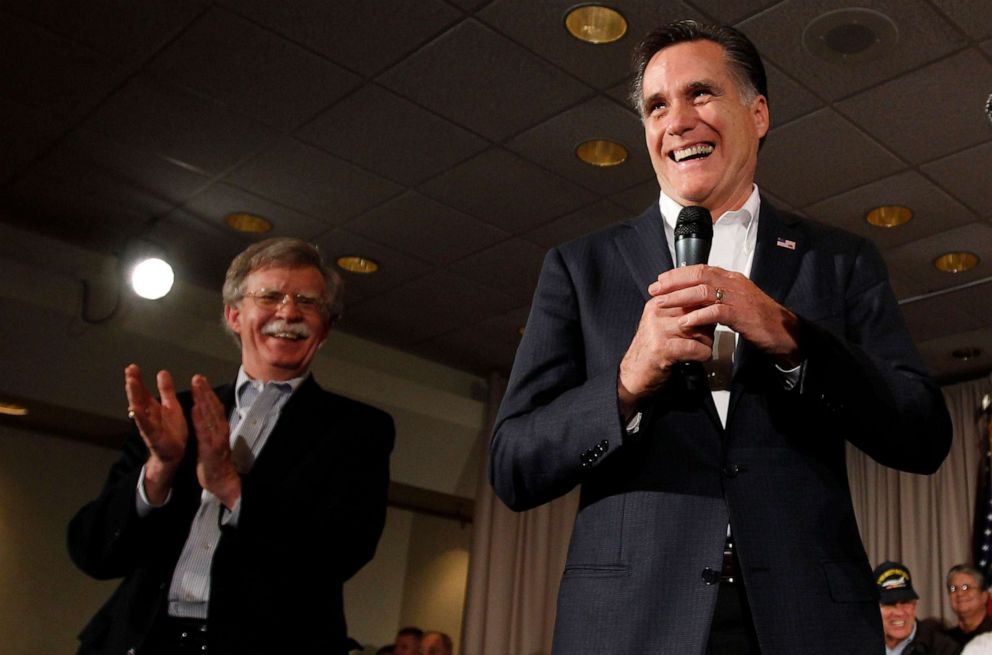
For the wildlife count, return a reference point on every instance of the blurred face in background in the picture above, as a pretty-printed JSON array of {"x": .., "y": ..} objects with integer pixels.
[
  {"x": 898, "y": 620},
  {"x": 968, "y": 600}
]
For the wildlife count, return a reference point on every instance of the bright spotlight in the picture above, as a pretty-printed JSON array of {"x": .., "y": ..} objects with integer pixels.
[{"x": 152, "y": 278}]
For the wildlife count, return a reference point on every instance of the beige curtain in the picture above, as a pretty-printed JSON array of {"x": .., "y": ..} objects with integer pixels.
[
  {"x": 923, "y": 521},
  {"x": 515, "y": 565}
]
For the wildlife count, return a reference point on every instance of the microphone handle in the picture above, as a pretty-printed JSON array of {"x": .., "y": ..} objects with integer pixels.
[{"x": 688, "y": 252}]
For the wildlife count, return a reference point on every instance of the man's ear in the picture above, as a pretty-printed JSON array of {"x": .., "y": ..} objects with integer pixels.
[
  {"x": 232, "y": 315},
  {"x": 759, "y": 112}
]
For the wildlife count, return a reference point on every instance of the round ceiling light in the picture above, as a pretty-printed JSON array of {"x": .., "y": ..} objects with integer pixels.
[
  {"x": 13, "y": 409},
  {"x": 595, "y": 24},
  {"x": 851, "y": 35},
  {"x": 956, "y": 262},
  {"x": 152, "y": 278},
  {"x": 357, "y": 264},
  {"x": 889, "y": 216},
  {"x": 249, "y": 223},
  {"x": 600, "y": 152}
]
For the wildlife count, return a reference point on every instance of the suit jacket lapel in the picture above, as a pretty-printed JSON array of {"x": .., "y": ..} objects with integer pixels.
[
  {"x": 291, "y": 434},
  {"x": 644, "y": 248}
]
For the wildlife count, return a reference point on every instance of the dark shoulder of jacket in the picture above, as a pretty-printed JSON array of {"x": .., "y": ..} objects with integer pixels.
[
  {"x": 348, "y": 407},
  {"x": 821, "y": 235}
]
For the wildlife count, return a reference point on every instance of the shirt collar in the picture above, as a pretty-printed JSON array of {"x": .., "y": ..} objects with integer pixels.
[
  {"x": 244, "y": 379},
  {"x": 670, "y": 209}
]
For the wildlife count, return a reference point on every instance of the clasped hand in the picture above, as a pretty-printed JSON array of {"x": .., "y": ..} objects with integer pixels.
[
  {"x": 679, "y": 319},
  {"x": 163, "y": 428}
]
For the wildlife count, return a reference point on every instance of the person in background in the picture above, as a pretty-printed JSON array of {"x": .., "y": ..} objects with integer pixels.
[
  {"x": 904, "y": 635},
  {"x": 408, "y": 641},
  {"x": 969, "y": 598},
  {"x": 435, "y": 643},
  {"x": 236, "y": 513}
]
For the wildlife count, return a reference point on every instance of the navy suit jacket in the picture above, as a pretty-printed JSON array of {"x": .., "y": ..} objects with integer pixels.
[
  {"x": 654, "y": 508},
  {"x": 312, "y": 509}
]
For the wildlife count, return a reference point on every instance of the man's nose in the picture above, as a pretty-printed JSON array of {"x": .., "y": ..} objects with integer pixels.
[{"x": 681, "y": 118}]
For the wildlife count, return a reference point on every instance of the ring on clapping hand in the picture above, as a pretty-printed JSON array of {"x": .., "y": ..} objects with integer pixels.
[
  {"x": 130, "y": 413},
  {"x": 719, "y": 295}
]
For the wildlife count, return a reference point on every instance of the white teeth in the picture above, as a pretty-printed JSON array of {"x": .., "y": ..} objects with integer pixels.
[
  {"x": 692, "y": 151},
  {"x": 287, "y": 335}
]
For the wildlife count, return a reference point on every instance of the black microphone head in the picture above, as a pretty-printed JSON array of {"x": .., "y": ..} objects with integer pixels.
[{"x": 694, "y": 222}]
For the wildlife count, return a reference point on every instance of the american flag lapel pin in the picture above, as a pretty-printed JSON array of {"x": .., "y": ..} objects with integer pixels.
[{"x": 785, "y": 243}]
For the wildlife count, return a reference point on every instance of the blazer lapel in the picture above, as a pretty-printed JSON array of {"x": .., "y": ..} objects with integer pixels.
[
  {"x": 644, "y": 249},
  {"x": 291, "y": 434}
]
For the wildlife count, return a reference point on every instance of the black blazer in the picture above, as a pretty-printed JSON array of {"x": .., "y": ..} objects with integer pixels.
[
  {"x": 313, "y": 507},
  {"x": 647, "y": 544}
]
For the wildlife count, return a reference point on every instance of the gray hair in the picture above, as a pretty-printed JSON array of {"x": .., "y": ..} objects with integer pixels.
[
  {"x": 284, "y": 252},
  {"x": 967, "y": 569}
]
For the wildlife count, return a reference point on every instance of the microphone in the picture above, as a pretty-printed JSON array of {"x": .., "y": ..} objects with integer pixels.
[
  {"x": 693, "y": 236},
  {"x": 693, "y": 239}
]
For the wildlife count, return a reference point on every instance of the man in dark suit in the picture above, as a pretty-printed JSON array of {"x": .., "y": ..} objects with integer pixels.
[
  {"x": 712, "y": 520},
  {"x": 236, "y": 514}
]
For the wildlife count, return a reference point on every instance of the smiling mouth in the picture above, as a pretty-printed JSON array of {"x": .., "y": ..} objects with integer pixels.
[
  {"x": 697, "y": 151},
  {"x": 291, "y": 336}
]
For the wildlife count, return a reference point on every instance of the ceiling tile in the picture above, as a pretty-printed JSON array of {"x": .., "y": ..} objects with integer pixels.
[
  {"x": 395, "y": 268},
  {"x": 218, "y": 200},
  {"x": 820, "y": 155},
  {"x": 312, "y": 181},
  {"x": 429, "y": 306},
  {"x": 244, "y": 66},
  {"x": 363, "y": 36},
  {"x": 553, "y": 144},
  {"x": 924, "y": 36},
  {"x": 126, "y": 31},
  {"x": 967, "y": 176},
  {"x": 917, "y": 257},
  {"x": 975, "y": 18},
  {"x": 425, "y": 228},
  {"x": 173, "y": 123},
  {"x": 511, "y": 267},
  {"x": 933, "y": 210},
  {"x": 540, "y": 27},
  {"x": 935, "y": 317},
  {"x": 787, "y": 100},
  {"x": 524, "y": 197},
  {"x": 894, "y": 114},
  {"x": 937, "y": 353},
  {"x": 492, "y": 343},
  {"x": 472, "y": 76},
  {"x": 578, "y": 223},
  {"x": 638, "y": 197},
  {"x": 391, "y": 136},
  {"x": 732, "y": 11}
]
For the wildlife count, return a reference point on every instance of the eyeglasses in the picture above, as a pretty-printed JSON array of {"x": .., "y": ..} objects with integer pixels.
[
  {"x": 953, "y": 588},
  {"x": 272, "y": 298}
]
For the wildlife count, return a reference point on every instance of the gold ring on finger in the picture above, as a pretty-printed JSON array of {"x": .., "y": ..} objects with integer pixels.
[{"x": 719, "y": 295}]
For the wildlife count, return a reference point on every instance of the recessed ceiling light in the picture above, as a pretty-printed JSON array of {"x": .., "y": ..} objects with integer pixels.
[
  {"x": 956, "y": 262},
  {"x": 851, "y": 35},
  {"x": 13, "y": 409},
  {"x": 595, "y": 24},
  {"x": 600, "y": 152},
  {"x": 889, "y": 216},
  {"x": 357, "y": 264},
  {"x": 249, "y": 223},
  {"x": 964, "y": 354}
]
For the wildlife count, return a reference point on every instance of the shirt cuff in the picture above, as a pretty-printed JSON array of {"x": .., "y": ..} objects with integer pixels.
[
  {"x": 141, "y": 502},
  {"x": 230, "y": 518},
  {"x": 791, "y": 376}
]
